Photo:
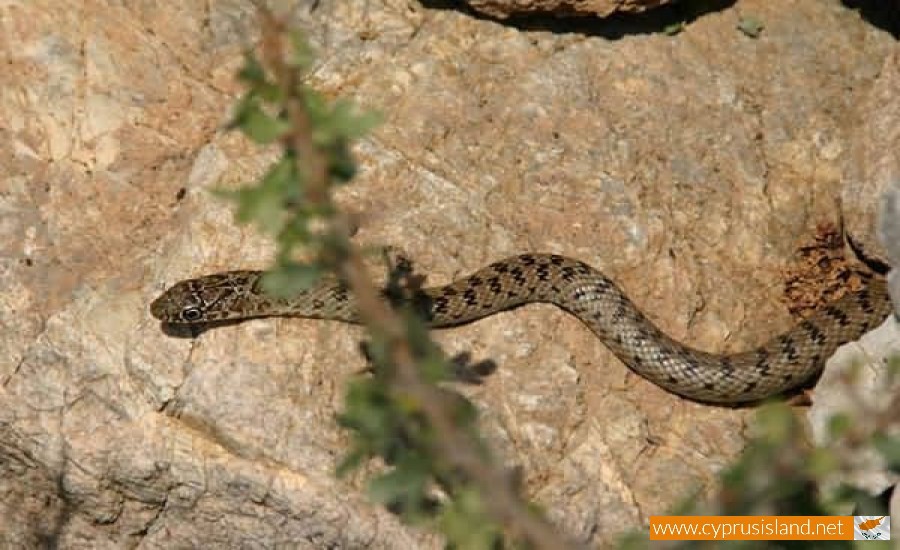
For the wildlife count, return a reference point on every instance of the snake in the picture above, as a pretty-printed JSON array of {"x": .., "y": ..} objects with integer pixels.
[{"x": 781, "y": 364}]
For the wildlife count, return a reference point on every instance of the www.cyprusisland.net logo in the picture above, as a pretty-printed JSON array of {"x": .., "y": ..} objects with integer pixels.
[{"x": 871, "y": 527}]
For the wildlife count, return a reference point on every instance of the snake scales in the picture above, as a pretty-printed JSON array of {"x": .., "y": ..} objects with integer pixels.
[{"x": 784, "y": 362}]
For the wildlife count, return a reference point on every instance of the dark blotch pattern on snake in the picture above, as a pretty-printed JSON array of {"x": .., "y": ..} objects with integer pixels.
[{"x": 784, "y": 362}]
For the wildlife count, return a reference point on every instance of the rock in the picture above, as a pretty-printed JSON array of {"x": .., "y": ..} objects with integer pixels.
[
  {"x": 875, "y": 153},
  {"x": 889, "y": 235},
  {"x": 687, "y": 167}
]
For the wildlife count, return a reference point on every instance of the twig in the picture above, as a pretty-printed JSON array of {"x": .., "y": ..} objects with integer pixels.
[{"x": 455, "y": 446}]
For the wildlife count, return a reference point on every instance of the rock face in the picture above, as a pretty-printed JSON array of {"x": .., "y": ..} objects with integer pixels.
[
  {"x": 875, "y": 154},
  {"x": 602, "y": 8},
  {"x": 688, "y": 167},
  {"x": 889, "y": 232}
]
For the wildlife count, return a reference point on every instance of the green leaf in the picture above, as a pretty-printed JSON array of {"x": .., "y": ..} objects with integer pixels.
[
  {"x": 404, "y": 487},
  {"x": 342, "y": 166},
  {"x": 467, "y": 523},
  {"x": 282, "y": 179},
  {"x": 302, "y": 55},
  {"x": 290, "y": 280},
  {"x": 316, "y": 106},
  {"x": 256, "y": 124},
  {"x": 822, "y": 462},
  {"x": 674, "y": 28},
  {"x": 343, "y": 122},
  {"x": 776, "y": 424},
  {"x": 889, "y": 447},
  {"x": 263, "y": 203},
  {"x": 750, "y": 26},
  {"x": 353, "y": 460},
  {"x": 351, "y": 121},
  {"x": 255, "y": 204},
  {"x": 252, "y": 72},
  {"x": 368, "y": 409},
  {"x": 839, "y": 424}
]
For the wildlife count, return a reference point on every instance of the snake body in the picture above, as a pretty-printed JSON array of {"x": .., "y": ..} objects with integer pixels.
[{"x": 783, "y": 363}]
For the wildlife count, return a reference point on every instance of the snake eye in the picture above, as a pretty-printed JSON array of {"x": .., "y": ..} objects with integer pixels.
[{"x": 191, "y": 314}]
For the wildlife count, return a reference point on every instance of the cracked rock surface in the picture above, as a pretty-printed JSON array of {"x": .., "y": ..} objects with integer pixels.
[{"x": 688, "y": 167}]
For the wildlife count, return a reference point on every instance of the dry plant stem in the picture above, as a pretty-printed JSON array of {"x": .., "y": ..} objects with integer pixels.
[
  {"x": 453, "y": 444},
  {"x": 299, "y": 139}
]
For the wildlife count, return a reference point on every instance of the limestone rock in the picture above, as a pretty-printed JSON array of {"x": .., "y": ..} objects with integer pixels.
[
  {"x": 889, "y": 234},
  {"x": 875, "y": 153}
]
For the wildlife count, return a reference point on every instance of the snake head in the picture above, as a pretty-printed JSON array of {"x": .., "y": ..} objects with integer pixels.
[{"x": 204, "y": 300}]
